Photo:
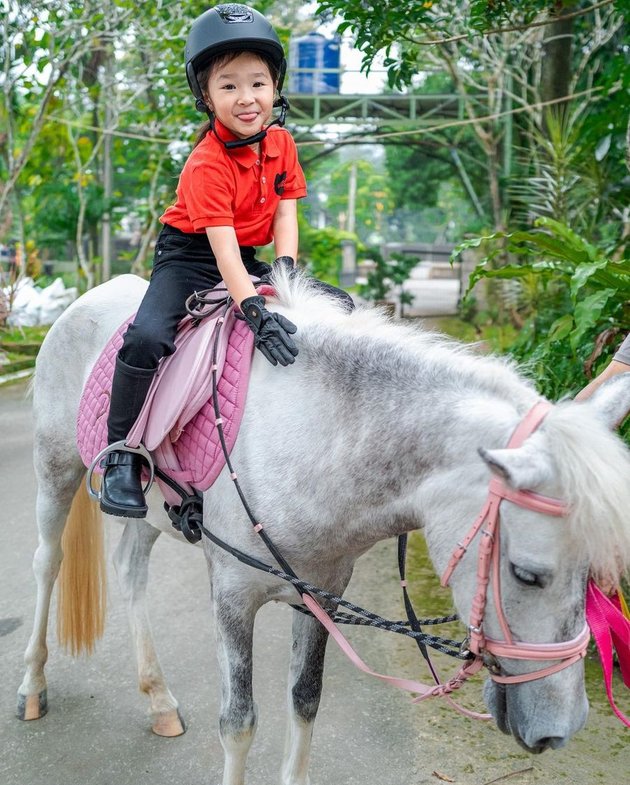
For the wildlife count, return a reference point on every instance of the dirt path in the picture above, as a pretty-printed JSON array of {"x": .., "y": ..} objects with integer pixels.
[{"x": 472, "y": 752}]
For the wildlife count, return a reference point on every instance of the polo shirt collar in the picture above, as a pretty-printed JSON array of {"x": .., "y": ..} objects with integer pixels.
[
  {"x": 269, "y": 147},
  {"x": 245, "y": 156}
]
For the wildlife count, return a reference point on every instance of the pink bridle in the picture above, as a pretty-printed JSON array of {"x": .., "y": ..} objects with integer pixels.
[
  {"x": 485, "y": 649},
  {"x": 480, "y": 645}
]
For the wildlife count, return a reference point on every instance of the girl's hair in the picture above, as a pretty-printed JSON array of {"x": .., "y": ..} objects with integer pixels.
[{"x": 223, "y": 59}]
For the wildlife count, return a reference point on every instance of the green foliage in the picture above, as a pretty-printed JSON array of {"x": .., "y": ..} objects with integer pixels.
[
  {"x": 320, "y": 250},
  {"x": 575, "y": 173},
  {"x": 378, "y": 284},
  {"x": 416, "y": 171},
  {"x": 115, "y": 64},
  {"x": 26, "y": 335},
  {"x": 581, "y": 303},
  {"x": 496, "y": 337},
  {"x": 67, "y": 43},
  {"x": 485, "y": 14},
  {"x": 425, "y": 180},
  {"x": 382, "y": 25},
  {"x": 329, "y": 177},
  {"x": 398, "y": 27}
]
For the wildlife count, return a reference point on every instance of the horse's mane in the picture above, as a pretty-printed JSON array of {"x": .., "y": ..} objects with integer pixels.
[
  {"x": 380, "y": 340},
  {"x": 592, "y": 462},
  {"x": 594, "y": 471}
]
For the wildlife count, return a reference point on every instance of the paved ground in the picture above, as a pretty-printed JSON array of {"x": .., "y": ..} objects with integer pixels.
[
  {"x": 96, "y": 732},
  {"x": 432, "y": 296}
]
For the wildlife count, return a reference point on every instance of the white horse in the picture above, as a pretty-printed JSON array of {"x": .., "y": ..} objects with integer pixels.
[{"x": 377, "y": 429}]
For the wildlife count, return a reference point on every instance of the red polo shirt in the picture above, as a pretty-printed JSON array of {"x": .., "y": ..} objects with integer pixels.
[{"x": 219, "y": 187}]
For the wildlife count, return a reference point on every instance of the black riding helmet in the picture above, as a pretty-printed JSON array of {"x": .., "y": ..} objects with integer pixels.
[{"x": 229, "y": 28}]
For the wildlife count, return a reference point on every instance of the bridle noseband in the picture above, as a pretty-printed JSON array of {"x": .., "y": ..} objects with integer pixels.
[{"x": 488, "y": 649}]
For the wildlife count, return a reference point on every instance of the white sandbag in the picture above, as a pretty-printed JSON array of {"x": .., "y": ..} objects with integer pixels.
[
  {"x": 33, "y": 306},
  {"x": 24, "y": 305},
  {"x": 54, "y": 299}
]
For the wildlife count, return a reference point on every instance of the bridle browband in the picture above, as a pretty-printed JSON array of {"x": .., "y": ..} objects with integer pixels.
[{"x": 485, "y": 648}]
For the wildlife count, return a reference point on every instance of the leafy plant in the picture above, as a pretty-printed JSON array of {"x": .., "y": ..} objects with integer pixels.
[
  {"x": 387, "y": 275},
  {"x": 320, "y": 250},
  {"x": 582, "y": 304},
  {"x": 573, "y": 172}
]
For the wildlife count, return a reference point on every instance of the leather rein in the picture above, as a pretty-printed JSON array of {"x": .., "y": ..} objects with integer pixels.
[{"x": 484, "y": 650}]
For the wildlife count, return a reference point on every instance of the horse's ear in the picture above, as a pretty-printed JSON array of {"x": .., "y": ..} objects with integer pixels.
[
  {"x": 520, "y": 468},
  {"x": 611, "y": 401}
]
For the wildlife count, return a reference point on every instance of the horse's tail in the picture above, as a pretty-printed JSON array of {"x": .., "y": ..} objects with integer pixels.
[{"x": 82, "y": 585}]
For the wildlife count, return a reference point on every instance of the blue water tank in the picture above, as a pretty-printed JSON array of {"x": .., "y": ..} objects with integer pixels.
[{"x": 308, "y": 55}]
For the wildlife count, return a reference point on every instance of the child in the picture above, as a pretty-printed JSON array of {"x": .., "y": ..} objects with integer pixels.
[{"x": 238, "y": 189}]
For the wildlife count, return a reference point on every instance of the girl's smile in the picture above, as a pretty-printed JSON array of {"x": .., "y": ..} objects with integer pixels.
[{"x": 240, "y": 94}]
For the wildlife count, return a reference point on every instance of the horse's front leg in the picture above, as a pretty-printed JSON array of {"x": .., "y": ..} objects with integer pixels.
[
  {"x": 131, "y": 561},
  {"x": 305, "y": 688},
  {"x": 234, "y": 613}
]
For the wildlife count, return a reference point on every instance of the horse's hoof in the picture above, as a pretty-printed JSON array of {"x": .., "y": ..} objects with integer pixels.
[
  {"x": 169, "y": 724},
  {"x": 32, "y": 707}
]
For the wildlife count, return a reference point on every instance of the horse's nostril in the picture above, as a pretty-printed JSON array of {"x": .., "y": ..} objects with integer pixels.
[
  {"x": 549, "y": 742},
  {"x": 536, "y": 746}
]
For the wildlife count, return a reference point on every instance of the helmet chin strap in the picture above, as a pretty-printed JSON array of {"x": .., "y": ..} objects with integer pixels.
[{"x": 236, "y": 143}]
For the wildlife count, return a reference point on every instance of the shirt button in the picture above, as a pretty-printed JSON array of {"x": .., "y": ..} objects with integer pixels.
[
  {"x": 264, "y": 179},
  {"x": 258, "y": 162},
  {"x": 262, "y": 201}
]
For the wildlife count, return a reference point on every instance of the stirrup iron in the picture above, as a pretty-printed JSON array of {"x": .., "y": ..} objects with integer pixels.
[{"x": 120, "y": 446}]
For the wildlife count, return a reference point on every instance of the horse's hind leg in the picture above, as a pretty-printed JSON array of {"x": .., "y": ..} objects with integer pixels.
[
  {"x": 131, "y": 561},
  {"x": 54, "y": 499},
  {"x": 305, "y": 688}
]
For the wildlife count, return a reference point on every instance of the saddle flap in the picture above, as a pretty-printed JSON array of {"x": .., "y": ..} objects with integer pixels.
[
  {"x": 195, "y": 401},
  {"x": 180, "y": 384},
  {"x": 179, "y": 404}
]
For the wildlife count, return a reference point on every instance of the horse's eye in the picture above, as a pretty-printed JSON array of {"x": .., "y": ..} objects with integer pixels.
[{"x": 524, "y": 576}]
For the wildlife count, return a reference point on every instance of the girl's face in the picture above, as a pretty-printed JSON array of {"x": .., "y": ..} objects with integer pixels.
[{"x": 240, "y": 93}]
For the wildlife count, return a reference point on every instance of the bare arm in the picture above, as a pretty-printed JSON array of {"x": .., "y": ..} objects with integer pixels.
[
  {"x": 228, "y": 255},
  {"x": 285, "y": 229},
  {"x": 612, "y": 369}
]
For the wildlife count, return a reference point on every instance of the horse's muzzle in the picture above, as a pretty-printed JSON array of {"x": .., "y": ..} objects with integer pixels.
[{"x": 533, "y": 736}]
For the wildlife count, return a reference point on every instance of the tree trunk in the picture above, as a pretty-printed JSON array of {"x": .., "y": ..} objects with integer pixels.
[
  {"x": 556, "y": 55},
  {"x": 149, "y": 230},
  {"x": 493, "y": 155}
]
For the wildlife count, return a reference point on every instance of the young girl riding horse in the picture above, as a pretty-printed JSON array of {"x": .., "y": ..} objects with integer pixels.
[{"x": 237, "y": 190}]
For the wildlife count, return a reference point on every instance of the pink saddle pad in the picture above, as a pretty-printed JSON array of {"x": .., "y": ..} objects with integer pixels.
[{"x": 177, "y": 423}]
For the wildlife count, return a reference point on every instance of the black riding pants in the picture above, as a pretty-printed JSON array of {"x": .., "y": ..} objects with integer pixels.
[{"x": 183, "y": 264}]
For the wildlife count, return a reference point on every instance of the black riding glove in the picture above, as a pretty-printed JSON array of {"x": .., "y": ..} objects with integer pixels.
[
  {"x": 272, "y": 331},
  {"x": 286, "y": 262}
]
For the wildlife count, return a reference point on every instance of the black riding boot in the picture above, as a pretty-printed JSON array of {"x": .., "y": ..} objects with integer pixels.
[{"x": 121, "y": 492}]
